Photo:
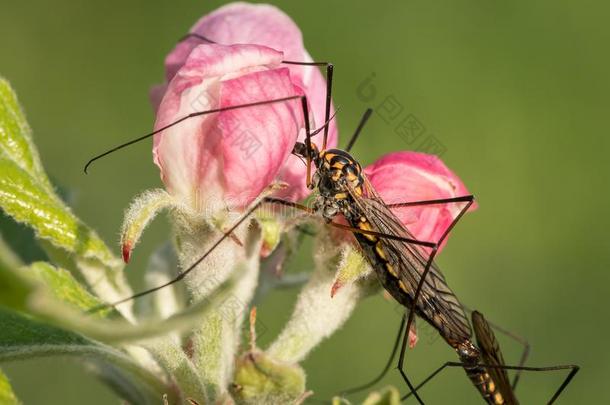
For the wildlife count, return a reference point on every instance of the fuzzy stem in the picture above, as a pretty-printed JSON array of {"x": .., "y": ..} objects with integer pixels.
[
  {"x": 317, "y": 315},
  {"x": 215, "y": 342}
]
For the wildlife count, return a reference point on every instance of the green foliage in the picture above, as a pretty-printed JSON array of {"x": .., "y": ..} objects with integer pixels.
[
  {"x": 53, "y": 294},
  {"x": 16, "y": 136},
  {"x": 28, "y": 197},
  {"x": 144, "y": 208},
  {"x": 14, "y": 289},
  {"x": 29, "y": 200},
  {"x": 43, "y": 306},
  {"x": 23, "y": 338},
  {"x": 65, "y": 288},
  {"x": 26, "y": 193},
  {"x": 7, "y": 396}
]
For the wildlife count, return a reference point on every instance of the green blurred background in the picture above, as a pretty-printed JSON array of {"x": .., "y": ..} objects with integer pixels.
[{"x": 517, "y": 93}]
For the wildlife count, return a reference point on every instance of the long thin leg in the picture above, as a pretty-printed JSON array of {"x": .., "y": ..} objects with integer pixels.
[
  {"x": 522, "y": 341},
  {"x": 329, "y": 87},
  {"x": 230, "y": 231},
  {"x": 464, "y": 198},
  {"x": 350, "y": 228},
  {"x": 192, "y": 267},
  {"x": 196, "y": 36},
  {"x": 574, "y": 369},
  {"x": 402, "y": 324},
  {"x": 403, "y": 348},
  {"x": 469, "y": 200},
  {"x": 418, "y": 293},
  {"x": 329, "y": 78},
  {"x": 395, "y": 349},
  {"x": 363, "y": 120}
]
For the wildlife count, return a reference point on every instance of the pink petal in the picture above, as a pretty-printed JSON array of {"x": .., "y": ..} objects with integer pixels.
[
  {"x": 264, "y": 25},
  {"x": 410, "y": 176},
  {"x": 242, "y": 23},
  {"x": 257, "y": 140},
  {"x": 190, "y": 154}
]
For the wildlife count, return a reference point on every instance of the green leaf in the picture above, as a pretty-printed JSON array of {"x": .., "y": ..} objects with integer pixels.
[
  {"x": 65, "y": 288},
  {"x": 23, "y": 338},
  {"x": 14, "y": 289},
  {"x": 29, "y": 198},
  {"x": 22, "y": 291},
  {"x": 16, "y": 135},
  {"x": 143, "y": 209},
  {"x": 169, "y": 353},
  {"x": 21, "y": 239},
  {"x": 28, "y": 201},
  {"x": 7, "y": 396}
]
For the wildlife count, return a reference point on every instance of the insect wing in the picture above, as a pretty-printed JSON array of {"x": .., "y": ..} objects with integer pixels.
[
  {"x": 437, "y": 302},
  {"x": 491, "y": 354}
]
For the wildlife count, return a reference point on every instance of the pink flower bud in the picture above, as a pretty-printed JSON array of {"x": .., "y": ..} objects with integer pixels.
[
  {"x": 411, "y": 176},
  {"x": 229, "y": 157},
  {"x": 242, "y": 23}
]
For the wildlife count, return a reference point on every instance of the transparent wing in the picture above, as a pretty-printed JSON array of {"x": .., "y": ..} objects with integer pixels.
[
  {"x": 436, "y": 303},
  {"x": 491, "y": 354}
]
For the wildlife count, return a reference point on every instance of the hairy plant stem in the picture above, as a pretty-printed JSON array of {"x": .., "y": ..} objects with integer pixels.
[{"x": 214, "y": 344}]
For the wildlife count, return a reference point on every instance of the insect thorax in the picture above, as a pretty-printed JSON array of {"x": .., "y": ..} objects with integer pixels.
[{"x": 337, "y": 174}]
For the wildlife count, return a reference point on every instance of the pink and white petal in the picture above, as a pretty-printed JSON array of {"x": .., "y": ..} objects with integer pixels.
[
  {"x": 266, "y": 25},
  {"x": 210, "y": 60},
  {"x": 256, "y": 141},
  {"x": 184, "y": 151},
  {"x": 188, "y": 154},
  {"x": 411, "y": 176},
  {"x": 218, "y": 60},
  {"x": 243, "y": 23}
]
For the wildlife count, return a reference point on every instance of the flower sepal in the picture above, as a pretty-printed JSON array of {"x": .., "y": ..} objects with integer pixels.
[{"x": 261, "y": 379}]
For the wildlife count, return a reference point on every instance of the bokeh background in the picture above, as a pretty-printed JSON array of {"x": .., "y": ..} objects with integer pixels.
[{"x": 514, "y": 93}]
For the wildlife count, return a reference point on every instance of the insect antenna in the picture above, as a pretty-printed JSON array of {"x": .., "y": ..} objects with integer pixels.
[
  {"x": 226, "y": 234},
  {"x": 196, "y": 36},
  {"x": 186, "y": 117}
]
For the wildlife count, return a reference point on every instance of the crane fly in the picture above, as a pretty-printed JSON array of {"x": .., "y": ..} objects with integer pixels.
[{"x": 404, "y": 265}]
